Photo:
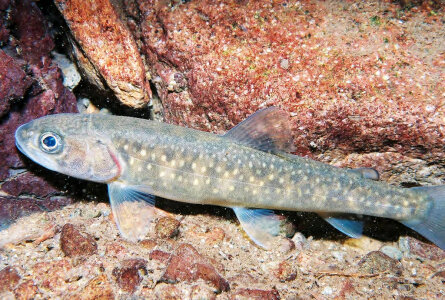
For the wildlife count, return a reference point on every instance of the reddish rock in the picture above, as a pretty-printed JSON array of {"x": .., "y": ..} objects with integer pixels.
[
  {"x": 160, "y": 255},
  {"x": 28, "y": 47},
  {"x": 440, "y": 274},
  {"x": 32, "y": 32},
  {"x": 412, "y": 246},
  {"x": 186, "y": 264},
  {"x": 27, "y": 290},
  {"x": 128, "y": 274},
  {"x": 51, "y": 275},
  {"x": 109, "y": 48},
  {"x": 378, "y": 262},
  {"x": 9, "y": 278},
  {"x": 14, "y": 81},
  {"x": 255, "y": 294},
  {"x": 115, "y": 249},
  {"x": 167, "y": 227},
  {"x": 74, "y": 242},
  {"x": 148, "y": 244},
  {"x": 286, "y": 271},
  {"x": 98, "y": 288},
  {"x": 347, "y": 91},
  {"x": 35, "y": 186},
  {"x": 13, "y": 208}
]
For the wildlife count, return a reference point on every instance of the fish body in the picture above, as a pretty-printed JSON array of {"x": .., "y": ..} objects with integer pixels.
[{"x": 244, "y": 169}]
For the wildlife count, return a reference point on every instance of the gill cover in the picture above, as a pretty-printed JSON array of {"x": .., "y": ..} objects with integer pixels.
[{"x": 88, "y": 158}]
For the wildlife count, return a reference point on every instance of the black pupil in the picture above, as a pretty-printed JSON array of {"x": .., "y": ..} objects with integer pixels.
[{"x": 49, "y": 141}]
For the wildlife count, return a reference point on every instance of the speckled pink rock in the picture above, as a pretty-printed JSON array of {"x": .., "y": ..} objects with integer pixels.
[
  {"x": 372, "y": 81},
  {"x": 108, "y": 51}
]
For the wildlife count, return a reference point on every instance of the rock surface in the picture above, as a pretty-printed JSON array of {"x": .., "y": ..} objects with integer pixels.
[
  {"x": 107, "y": 49},
  {"x": 363, "y": 81},
  {"x": 74, "y": 242},
  {"x": 187, "y": 267},
  {"x": 365, "y": 78},
  {"x": 186, "y": 264},
  {"x": 127, "y": 275},
  {"x": 31, "y": 79}
]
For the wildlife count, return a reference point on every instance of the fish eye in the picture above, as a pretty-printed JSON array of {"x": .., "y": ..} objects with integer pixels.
[{"x": 50, "y": 142}]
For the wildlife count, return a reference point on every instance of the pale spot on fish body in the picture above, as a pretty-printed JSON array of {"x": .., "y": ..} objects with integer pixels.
[{"x": 143, "y": 152}]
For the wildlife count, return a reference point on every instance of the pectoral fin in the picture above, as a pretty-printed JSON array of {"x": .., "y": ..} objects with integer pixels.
[
  {"x": 133, "y": 209},
  {"x": 345, "y": 223},
  {"x": 261, "y": 225}
]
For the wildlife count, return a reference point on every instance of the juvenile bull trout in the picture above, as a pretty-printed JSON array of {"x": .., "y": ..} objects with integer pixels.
[{"x": 248, "y": 169}]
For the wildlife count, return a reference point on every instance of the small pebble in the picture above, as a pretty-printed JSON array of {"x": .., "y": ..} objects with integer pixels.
[
  {"x": 327, "y": 291},
  {"x": 128, "y": 275},
  {"x": 74, "y": 242},
  {"x": 284, "y": 63},
  {"x": 167, "y": 227},
  {"x": 377, "y": 262},
  {"x": 392, "y": 252}
]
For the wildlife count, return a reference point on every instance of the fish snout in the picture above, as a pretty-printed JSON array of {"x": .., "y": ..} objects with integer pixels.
[{"x": 22, "y": 135}]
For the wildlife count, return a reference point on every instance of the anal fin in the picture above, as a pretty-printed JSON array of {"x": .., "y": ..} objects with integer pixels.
[
  {"x": 261, "y": 225},
  {"x": 133, "y": 209},
  {"x": 344, "y": 223}
]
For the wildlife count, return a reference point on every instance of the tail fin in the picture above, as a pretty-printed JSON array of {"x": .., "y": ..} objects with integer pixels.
[{"x": 433, "y": 225}]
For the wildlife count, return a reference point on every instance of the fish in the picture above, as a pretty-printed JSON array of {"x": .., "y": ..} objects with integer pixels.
[{"x": 250, "y": 169}]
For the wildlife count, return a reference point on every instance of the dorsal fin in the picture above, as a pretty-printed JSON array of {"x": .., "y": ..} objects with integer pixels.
[{"x": 266, "y": 130}]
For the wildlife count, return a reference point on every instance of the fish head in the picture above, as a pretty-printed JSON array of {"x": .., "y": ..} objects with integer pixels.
[{"x": 64, "y": 143}]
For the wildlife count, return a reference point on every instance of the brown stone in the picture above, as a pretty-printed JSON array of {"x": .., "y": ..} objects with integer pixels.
[
  {"x": 167, "y": 227},
  {"x": 26, "y": 291},
  {"x": 98, "y": 288},
  {"x": 74, "y": 242},
  {"x": 128, "y": 275},
  {"x": 286, "y": 271},
  {"x": 242, "y": 294},
  {"x": 378, "y": 262},
  {"x": 159, "y": 255},
  {"x": 148, "y": 244},
  {"x": 186, "y": 264},
  {"x": 9, "y": 277},
  {"x": 109, "y": 48}
]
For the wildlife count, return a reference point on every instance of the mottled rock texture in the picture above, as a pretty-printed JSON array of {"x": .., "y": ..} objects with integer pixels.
[
  {"x": 30, "y": 87},
  {"x": 357, "y": 77},
  {"x": 128, "y": 274},
  {"x": 108, "y": 51},
  {"x": 75, "y": 242},
  {"x": 186, "y": 264}
]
